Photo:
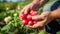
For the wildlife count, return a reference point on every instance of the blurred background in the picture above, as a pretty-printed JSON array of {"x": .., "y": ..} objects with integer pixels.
[{"x": 10, "y": 22}]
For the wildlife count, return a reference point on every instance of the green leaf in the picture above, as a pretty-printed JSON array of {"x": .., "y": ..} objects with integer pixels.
[
  {"x": 6, "y": 27},
  {"x": 58, "y": 32},
  {"x": 42, "y": 32}
]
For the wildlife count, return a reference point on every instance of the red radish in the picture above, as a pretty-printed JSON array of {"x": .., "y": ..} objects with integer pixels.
[
  {"x": 35, "y": 21},
  {"x": 25, "y": 22},
  {"x": 30, "y": 23},
  {"x": 34, "y": 13},
  {"x": 23, "y": 16},
  {"x": 31, "y": 11},
  {"x": 29, "y": 17}
]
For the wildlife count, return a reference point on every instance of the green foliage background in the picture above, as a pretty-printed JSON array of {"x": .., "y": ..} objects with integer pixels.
[{"x": 15, "y": 26}]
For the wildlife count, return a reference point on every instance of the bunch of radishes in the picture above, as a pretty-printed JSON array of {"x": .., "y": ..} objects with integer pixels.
[{"x": 27, "y": 18}]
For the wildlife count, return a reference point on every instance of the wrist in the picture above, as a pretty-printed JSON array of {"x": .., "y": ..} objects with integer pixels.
[
  {"x": 36, "y": 1},
  {"x": 39, "y": 2},
  {"x": 52, "y": 15}
]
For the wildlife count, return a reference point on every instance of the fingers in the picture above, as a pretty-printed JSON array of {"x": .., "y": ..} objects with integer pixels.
[
  {"x": 38, "y": 24},
  {"x": 45, "y": 13},
  {"x": 34, "y": 26},
  {"x": 21, "y": 13},
  {"x": 26, "y": 10},
  {"x": 38, "y": 17}
]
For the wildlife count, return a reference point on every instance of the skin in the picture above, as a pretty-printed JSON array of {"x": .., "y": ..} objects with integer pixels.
[{"x": 45, "y": 17}]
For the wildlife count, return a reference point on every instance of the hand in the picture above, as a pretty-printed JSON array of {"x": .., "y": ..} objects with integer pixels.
[
  {"x": 44, "y": 19},
  {"x": 28, "y": 7}
]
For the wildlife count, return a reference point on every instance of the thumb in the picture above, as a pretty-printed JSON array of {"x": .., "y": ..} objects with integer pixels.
[
  {"x": 37, "y": 17},
  {"x": 26, "y": 11}
]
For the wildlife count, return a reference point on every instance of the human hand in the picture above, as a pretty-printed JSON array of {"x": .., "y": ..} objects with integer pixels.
[
  {"x": 44, "y": 19},
  {"x": 29, "y": 7}
]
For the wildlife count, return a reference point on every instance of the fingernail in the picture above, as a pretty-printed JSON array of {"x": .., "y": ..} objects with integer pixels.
[{"x": 25, "y": 12}]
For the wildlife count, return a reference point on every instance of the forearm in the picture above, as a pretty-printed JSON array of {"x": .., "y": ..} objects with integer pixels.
[
  {"x": 40, "y": 2},
  {"x": 56, "y": 14}
]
